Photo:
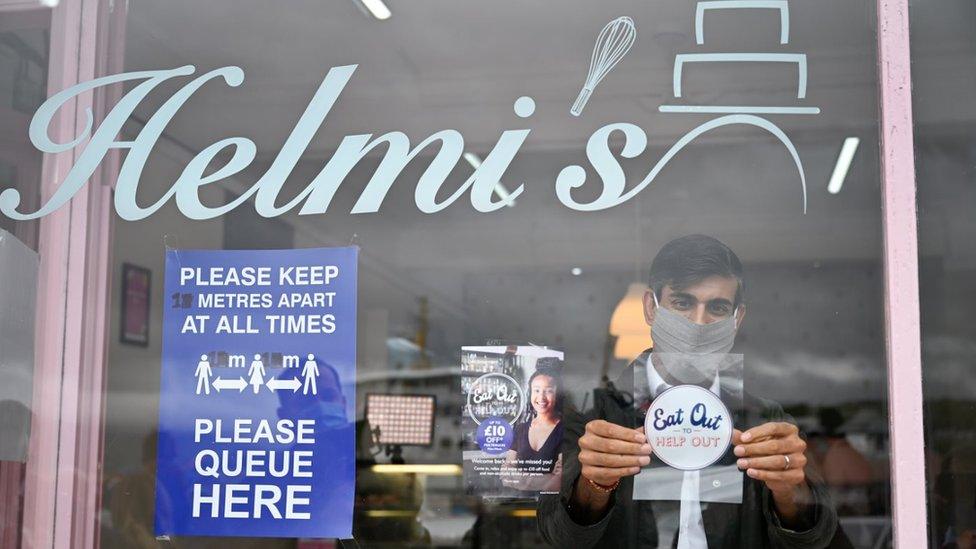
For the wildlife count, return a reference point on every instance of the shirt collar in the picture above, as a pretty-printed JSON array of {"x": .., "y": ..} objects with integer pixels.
[{"x": 657, "y": 385}]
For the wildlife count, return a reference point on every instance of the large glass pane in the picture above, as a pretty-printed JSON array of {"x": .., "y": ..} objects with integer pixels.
[
  {"x": 723, "y": 155},
  {"x": 943, "y": 67}
]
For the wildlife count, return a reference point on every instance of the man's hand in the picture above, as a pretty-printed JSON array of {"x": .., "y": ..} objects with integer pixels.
[
  {"x": 761, "y": 452},
  {"x": 966, "y": 540},
  {"x": 608, "y": 452}
]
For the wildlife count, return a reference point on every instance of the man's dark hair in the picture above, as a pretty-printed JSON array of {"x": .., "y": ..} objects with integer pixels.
[{"x": 688, "y": 260}]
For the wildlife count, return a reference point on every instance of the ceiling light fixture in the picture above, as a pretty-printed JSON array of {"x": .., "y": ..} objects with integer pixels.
[
  {"x": 376, "y": 8},
  {"x": 448, "y": 469},
  {"x": 630, "y": 331},
  {"x": 844, "y": 160},
  {"x": 576, "y": 271},
  {"x": 628, "y": 325},
  {"x": 500, "y": 190},
  {"x": 630, "y": 346},
  {"x": 473, "y": 159}
]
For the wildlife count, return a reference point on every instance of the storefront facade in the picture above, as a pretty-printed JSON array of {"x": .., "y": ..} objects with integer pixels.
[{"x": 505, "y": 175}]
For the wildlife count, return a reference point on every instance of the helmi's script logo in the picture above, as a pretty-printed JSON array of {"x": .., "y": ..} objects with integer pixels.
[{"x": 446, "y": 147}]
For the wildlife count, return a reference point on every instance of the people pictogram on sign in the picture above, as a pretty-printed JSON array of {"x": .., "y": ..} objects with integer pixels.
[
  {"x": 203, "y": 374},
  {"x": 310, "y": 370},
  {"x": 256, "y": 374}
]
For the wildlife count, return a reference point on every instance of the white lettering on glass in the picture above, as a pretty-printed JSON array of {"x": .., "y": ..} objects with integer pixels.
[
  {"x": 446, "y": 147},
  {"x": 316, "y": 196}
]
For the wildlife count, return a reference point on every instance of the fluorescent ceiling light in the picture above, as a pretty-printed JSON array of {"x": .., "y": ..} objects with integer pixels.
[
  {"x": 843, "y": 164},
  {"x": 376, "y": 8},
  {"x": 418, "y": 468},
  {"x": 472, "y": 159},
  {"x": 391, "y": 513},
  {"x": 500, "y": 190}
]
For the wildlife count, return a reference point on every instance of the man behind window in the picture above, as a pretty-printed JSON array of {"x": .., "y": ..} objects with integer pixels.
[{"x": 695, "y": 306}]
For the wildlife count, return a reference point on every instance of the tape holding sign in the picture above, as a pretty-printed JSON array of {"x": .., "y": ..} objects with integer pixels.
[{"x": 259, "y": 358}]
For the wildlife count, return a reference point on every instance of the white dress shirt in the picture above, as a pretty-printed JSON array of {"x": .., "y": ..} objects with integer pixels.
[{"x": 691, "y": 529}]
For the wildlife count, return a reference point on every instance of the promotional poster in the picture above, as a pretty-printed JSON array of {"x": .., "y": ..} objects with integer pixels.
[
  {"x": 512, "y": 420},
  {"x": 259, "y": 358}
]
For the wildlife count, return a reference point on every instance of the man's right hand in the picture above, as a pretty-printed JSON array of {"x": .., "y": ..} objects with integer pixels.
[{"x": 608, "y": 452}]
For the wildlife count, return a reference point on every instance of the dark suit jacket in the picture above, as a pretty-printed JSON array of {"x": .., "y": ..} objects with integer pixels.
[{"x": 753, "y": 524}]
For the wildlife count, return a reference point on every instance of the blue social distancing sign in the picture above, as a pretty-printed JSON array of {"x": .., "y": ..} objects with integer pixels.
[{"x": 257, "y": 393}]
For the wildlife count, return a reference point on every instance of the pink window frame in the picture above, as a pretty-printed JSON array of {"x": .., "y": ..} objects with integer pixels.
[
  {"x": 62, "y": 480},
  {"x": 62, "y": 493},
  {"x": 902, "y": 312}
]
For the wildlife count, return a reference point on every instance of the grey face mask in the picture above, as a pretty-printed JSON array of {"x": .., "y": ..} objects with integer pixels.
[
  {"x": 673, "y": 333},
  {"x": 690, "y": 353}
]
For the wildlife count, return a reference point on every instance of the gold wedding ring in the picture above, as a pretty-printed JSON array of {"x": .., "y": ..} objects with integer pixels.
[{"x": 786, "y": 466}]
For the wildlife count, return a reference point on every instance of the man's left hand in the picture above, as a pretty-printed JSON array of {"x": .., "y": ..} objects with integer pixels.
[{"x": 774, "y": 454}]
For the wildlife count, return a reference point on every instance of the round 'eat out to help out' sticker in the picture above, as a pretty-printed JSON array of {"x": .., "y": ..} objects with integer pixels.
[{"x": 688, "y": 427}]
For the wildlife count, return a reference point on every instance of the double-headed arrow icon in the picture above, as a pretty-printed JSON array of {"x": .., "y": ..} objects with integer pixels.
[
  {"x": 238, "y": 384},
  {"x": 275, "y": 384}
]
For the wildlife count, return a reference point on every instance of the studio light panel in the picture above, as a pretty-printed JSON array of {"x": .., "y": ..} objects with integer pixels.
[{"x": 406, "y": 420}]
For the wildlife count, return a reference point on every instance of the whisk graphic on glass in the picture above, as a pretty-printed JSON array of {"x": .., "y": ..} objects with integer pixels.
[{"x": 611, "y": 45}]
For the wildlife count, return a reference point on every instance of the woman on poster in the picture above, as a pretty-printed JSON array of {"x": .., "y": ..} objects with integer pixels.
[{"x": 534, "y": 463}]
